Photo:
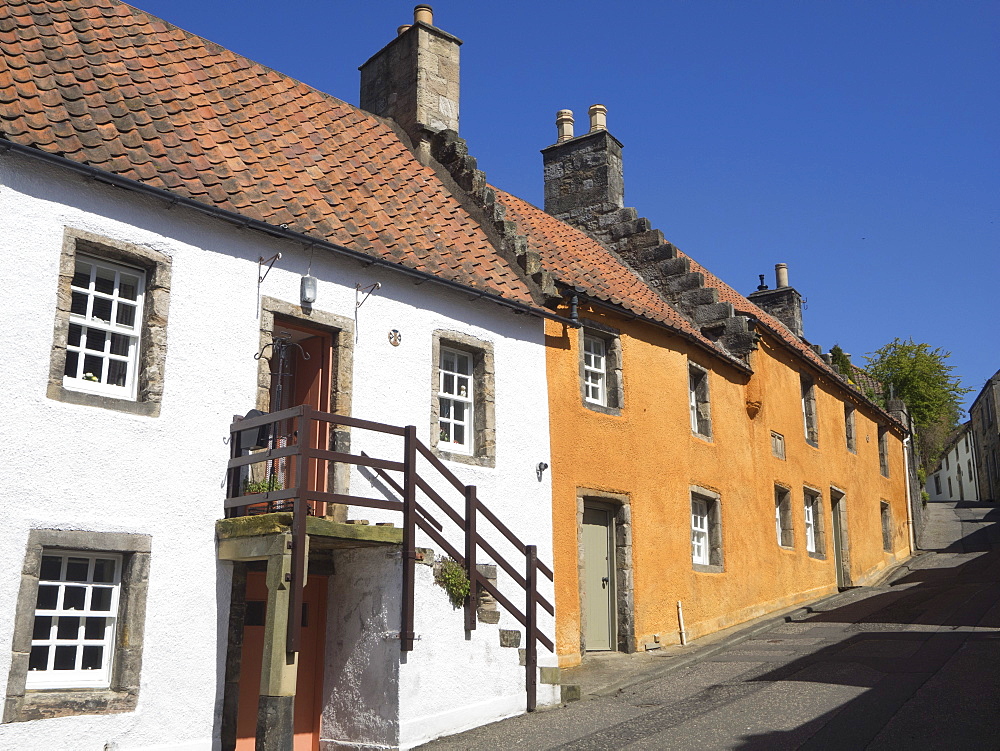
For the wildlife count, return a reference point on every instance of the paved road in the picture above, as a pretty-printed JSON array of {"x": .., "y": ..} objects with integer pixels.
[{"x": 913, "y": 664}]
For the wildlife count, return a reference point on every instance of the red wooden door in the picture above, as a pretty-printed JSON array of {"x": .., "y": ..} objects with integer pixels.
[
  {"x": 309, "y": 681},
  {"x": 310, "y": 381}
]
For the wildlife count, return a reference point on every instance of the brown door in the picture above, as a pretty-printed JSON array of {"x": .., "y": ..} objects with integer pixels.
[
  {"x": 309, "y": 680},
  {"x": 309, "y": 382}
]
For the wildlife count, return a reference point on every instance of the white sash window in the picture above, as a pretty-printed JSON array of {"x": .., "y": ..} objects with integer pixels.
[
  {"x": 102, "y": 348},
  {"x": 455, "y": 400},
  {"x": 76, "y": 614}
]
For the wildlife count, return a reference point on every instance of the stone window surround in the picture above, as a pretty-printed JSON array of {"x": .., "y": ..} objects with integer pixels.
[
  {"x": 484, "y": 394},
  {"x": 885, "y": 517},
  {"x": 783, "y": 501},
  {"x": 341, "y": 384},
  {"x": 883, "y": 450},
  {"x": 153, "y": 336},
  {"x": 122, "y": 696},
  {"x": 778, "y": 445},
  {"x": 850, "y": 427},
  {"x": 614, "y": 387},
  {"x": 620, "y": 505},
  {"x": 716, "y": 563},
  {"x": 810, "y": 418},
  {"x": 819, "y": 521},
  {"x": 703, "y": 397}
]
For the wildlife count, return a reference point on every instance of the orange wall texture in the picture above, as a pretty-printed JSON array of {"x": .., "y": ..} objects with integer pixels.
[{"x": 649, "y": 455}]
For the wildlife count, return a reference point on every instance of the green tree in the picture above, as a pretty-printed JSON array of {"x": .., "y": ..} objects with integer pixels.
[{"x": 921, "y": 376}]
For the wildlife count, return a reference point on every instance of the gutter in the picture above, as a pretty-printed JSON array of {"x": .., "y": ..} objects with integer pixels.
[{"x": 282, "y": 233}]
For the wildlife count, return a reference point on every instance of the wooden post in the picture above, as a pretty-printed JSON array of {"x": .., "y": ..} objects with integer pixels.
[
  {"x": 233, "y": 479},
  {"x": 471, "y": 541},
  {"x": 531, "y": 623},
  {"x": 406, "y": 634},
  {"x": 299, "y": 514}
]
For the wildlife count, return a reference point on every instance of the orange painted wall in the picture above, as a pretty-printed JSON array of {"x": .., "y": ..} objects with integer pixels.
[{"x": 649, "y": 453}]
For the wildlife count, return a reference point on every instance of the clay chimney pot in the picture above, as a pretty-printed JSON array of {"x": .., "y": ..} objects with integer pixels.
[{"x": 423, "y": 14}]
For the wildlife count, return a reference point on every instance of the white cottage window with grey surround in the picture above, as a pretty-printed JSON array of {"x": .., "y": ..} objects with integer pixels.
[
  {"x": 73, "y": 633},
  {"x": 102, "y": 347}
]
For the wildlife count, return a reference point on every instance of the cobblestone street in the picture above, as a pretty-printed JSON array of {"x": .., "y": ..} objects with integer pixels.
[{"x": 911, "y": 664}]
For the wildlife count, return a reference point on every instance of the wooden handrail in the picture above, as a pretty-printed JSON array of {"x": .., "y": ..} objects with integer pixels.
[{"x": 415, "y": 516}]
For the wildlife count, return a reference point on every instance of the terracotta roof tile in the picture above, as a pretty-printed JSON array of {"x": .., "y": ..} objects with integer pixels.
[
  {"x": 105, "y": 84},
  {"x": 576, "y": 259}
]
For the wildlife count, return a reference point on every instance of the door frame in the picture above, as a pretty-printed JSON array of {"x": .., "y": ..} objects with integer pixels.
[
  {"x": 619, "y": 508},
  {"x": 841, "y": 542}
]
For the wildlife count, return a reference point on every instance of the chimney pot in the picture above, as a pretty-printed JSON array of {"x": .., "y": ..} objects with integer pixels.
[
  {"x": 423, "y": 14},
  {"x": 564, "y": 125},
  {"x": 781, "y": 274},
  {"x": 598, "y": 117},
  {"x": 402, "y": 28}
]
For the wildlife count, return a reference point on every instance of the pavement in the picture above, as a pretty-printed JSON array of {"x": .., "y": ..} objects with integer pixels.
[{"x": 910, "y": 663}]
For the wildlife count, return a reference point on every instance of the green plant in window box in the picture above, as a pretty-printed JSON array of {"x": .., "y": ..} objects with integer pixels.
[
  {"x": 450, "y": 575},
  {"x": 251, "y": 487}
]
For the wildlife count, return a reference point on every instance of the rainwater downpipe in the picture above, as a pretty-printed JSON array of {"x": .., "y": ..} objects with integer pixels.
[
  {"x": 680, "y": 624},
  {"x": 909, "y": 498},
  {"x": 574, "y": 314}
]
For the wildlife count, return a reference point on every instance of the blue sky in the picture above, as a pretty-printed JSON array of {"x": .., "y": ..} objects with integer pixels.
[{"x": 859, "y": 142}]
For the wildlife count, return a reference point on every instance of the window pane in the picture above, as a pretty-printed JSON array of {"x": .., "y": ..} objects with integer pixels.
[
  {"x": 76, "y": 569},
  {"x": 75, "y": 331},
  {"x": 92, "y": 658},
  {"x": 102, "y": 309},
  {"x": 464, "y": 365},
  {"x": 445, "y": 407},
  {"x": 72, "y": 363},
  {"x": 119, "y": 344},
  {"x": 460, "y": 434},
  {"x": 126, "y": 315},
  {"x": 460, "y": 411},
  {"x": 81, "y": 277},
  {"x": 448, "y": 386},
  {"x": 92, "y": 368},
  {"x": 42, "y": 627},
  {"x": 104, "y": 570},
  {"x": 78, "y": 304},
  {"x": 463, "y": 386},
  {"x": 73, "y": 598},
  {"x": 96, "y": 339},
  {"x": 105, "y": 281},
  {"x": 447, "y": 361},
  {"x": 48, "y": 595},
  {"x": 101, "y": 599},
  {"x": 117, "y": 372},
  {"x": 68, "y": 627},
  {"x": 65, "y": 658},
  {"x": 128, "y": 286},
  {"x": 51, "y": 568},
  {"x": 445, "y": 432},
  {"x": 94, "y": 628},
  {"x": 39, "y": 659}
]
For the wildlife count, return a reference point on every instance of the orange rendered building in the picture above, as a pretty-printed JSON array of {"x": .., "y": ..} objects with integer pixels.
[{"x": 709, "y": 466}]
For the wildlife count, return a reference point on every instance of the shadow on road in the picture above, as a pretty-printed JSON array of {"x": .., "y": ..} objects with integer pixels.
[{"x": 921, "y": 649}]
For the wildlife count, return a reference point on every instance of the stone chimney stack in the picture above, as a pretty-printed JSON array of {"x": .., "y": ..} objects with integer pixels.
[
  {"x": 414, "y": 80},
  {"x": 583, "y": 174},
  {"x": 784, "y": 303}
]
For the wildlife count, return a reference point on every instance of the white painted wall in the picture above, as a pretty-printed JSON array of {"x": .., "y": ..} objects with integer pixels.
[
  {"x": 77, "y": 467},
  {"x": 958, "y": 465}
]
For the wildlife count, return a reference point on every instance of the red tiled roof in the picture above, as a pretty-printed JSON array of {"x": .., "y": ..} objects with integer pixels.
[
  {"x": 578, "y": 260},
  {"x": 106, "y": 85}
]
